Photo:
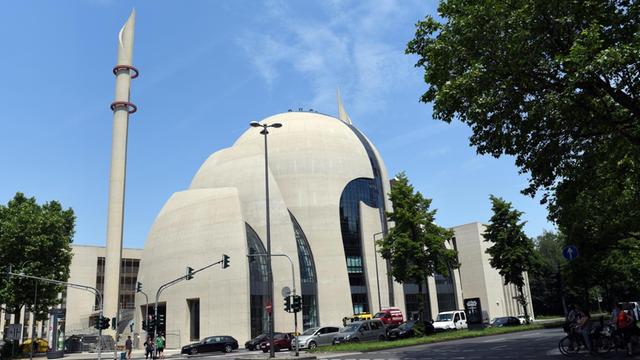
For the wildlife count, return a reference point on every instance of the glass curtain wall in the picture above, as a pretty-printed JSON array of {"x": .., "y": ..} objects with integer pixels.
[
  {"x": 379, "y": 196},
  {"x": 365, "y": 190},
  {"x": 259, "y": 283},
  {"x": 308, "y": 278}
]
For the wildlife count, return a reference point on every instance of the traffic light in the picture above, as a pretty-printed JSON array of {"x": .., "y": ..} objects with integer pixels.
[
  {"x": 98, "y": 324},
  {"x": 101, "y": 323},
  {"x": 189, "y": 273},
  {"x": 151, "y": 324},
  {"x": 296, "y": 305},
  {"x": 225, "y": 261},
  {"x": 161, "y": 322},
  {"x": 139, "y": 287},
  {"x": 114, "y": 323},
  {"x": 145, "y": 327},
  {"x": 287, "y": 303}
]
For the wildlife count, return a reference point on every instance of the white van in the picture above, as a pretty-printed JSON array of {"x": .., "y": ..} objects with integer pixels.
[{"x": 450, "y": 320}]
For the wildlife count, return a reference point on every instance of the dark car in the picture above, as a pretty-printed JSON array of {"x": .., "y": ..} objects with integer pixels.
[
  {"x": 505, "y": 321},
  {"x": 405, "y": 330},
  {"x": 211, "y": 343},
  {"x": 280, "y": 341},
  {"x": 254, "y": 344}
]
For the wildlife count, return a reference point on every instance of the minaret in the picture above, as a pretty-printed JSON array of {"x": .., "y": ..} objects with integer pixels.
[{"x": 122, "y": 107}]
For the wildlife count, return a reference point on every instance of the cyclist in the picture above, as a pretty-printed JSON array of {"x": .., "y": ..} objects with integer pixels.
[
  {"x": 583, "y": 326},
  {"x": 626, "y": 324}
]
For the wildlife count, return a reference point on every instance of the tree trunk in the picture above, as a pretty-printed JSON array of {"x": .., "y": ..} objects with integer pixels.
[
  {"x": 523, "y": 302},
  {"x": 420, "y": 303}
]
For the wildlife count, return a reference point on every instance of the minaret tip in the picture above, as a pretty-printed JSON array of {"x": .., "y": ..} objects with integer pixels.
[
  {"x": 342, "y": 113},
  {"x": 125, "y": 40}
]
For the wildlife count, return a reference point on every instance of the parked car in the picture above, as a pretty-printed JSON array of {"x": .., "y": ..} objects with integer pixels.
[
  {"x": 254, "y": 344},
  {"x": 211, "y": 343},
  {"x": 405, "y": 330},
  {"x": 317, "y": 336},
  {"x": 505, "y": 321},
  {"x": 280, "y": 341},
  {"x": 391, "y": 316},
  {"x": 361, "y": 331},
  {"x": 42, "y": 345},
  {"x": 450, "y": 320}
]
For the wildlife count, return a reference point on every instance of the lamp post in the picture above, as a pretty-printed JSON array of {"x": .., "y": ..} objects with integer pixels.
[
  {"x": 375, "y": 252},
  {"x": 265, "y": 132}
]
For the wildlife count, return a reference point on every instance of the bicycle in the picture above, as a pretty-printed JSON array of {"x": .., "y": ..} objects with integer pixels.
[{"x": 602, "y": 341}]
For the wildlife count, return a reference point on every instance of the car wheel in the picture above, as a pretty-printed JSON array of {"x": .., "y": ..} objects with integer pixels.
[
  {"x": 228, "y": 348},
  {"x": 193, "y": 351},
  {"x": 381, "y": 338},
  {"x": 312, "y": 345},
  {"x": 355, "y": 340},
  {"x": 265, "y": 350}
]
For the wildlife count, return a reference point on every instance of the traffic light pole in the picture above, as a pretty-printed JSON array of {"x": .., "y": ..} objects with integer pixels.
[
  {"x": 71, "y": 285},
  {"x": 293, "y": 290},
  {"x": 224, "y": 261}
]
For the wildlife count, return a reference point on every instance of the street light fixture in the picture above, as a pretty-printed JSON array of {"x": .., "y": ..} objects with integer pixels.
[
  {"x": 265, "y": 132},
  {"x": 375, "y": 252}
]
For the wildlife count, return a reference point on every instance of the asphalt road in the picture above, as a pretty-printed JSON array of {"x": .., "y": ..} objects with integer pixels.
[{"x": 536, "y": 344}]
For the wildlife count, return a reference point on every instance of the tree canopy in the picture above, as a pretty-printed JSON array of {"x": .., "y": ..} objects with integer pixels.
[
  {"x": 416, "y": 245},
  {"x": 544, "y": 81},
  {"x": 511, "y": 251},
  {"x": 35, "y": 240}
]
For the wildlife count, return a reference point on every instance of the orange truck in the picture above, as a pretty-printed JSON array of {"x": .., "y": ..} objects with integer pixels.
[{"x": 390, "y": 316}]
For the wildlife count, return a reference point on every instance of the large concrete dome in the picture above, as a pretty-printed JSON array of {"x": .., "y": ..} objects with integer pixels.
[{"x": 327, "y": 200}]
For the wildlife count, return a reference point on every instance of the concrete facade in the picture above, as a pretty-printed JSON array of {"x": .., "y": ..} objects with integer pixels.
[
  {"x": 312, "y": 159},
  {"x": 480, "y": 280},
  {"x": 81, "y": 305}
]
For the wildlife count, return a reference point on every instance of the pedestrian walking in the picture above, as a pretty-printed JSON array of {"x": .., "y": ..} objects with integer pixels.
[
  {"x": 148, "y": 348},
  {"x": 160, "y": 346},
  {"x": 128, "y": 346}
]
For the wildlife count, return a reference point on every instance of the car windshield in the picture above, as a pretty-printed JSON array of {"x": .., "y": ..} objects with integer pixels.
[
  {"x": 500, "y": 320},
  {"x": 350, "y": 328},
  {"x": 310, "y": 331},
  {"x": 406, "y": 326},
  {"x": 444, "y": 317},
  {"x": 379, "y": 315}
]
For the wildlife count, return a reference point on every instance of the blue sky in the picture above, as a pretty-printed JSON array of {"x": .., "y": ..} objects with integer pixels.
[{"x": 208, "y": 68}]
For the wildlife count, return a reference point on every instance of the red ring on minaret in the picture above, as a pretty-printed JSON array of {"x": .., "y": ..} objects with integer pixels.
[
  {"x": 131, "y": 108},
  {"x": 125, "y": 67}
]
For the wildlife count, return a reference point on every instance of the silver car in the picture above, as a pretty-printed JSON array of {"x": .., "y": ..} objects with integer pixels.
[
  {"x": 361, "y": 331},
  {"x": 317, "y": 336}
]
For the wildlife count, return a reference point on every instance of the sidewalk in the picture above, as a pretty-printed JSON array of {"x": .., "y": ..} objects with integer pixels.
[{"x": 106, "y": 355}]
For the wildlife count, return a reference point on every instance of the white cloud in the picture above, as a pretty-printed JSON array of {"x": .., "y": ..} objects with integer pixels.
[{"x": 345, "y": 47}]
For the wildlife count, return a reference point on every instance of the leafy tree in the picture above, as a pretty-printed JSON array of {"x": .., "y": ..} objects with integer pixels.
[
  {"x": 541, "y": 80},
  {"x": 416, "y": 244},
  {"x": 35, "y": 240},
  {"x": 555, "y": 84},
  {"x": 512, "y": 251},
  {"x": 597, "y": 208},
  {"x": 545, "y": 277}
]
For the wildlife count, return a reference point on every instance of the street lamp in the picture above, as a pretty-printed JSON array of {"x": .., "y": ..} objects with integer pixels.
[
  {"x": 265, "y": 132},
  {"x": 375, "y": 252}
]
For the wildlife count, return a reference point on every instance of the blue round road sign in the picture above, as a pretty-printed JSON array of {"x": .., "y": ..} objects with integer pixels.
[{"x": 570, "y": 252}]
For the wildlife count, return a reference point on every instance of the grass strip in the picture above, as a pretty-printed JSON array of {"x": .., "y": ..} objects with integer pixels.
[{"x": 435, "y": 338}]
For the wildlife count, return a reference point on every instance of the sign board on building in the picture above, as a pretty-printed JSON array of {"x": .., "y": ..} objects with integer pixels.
[
  {"x": 473, "y": 310},
  {"x": 14, "y": 332}
]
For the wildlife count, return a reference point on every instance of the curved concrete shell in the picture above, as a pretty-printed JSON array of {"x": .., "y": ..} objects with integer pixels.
[{"x": 324, "y": 225}]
